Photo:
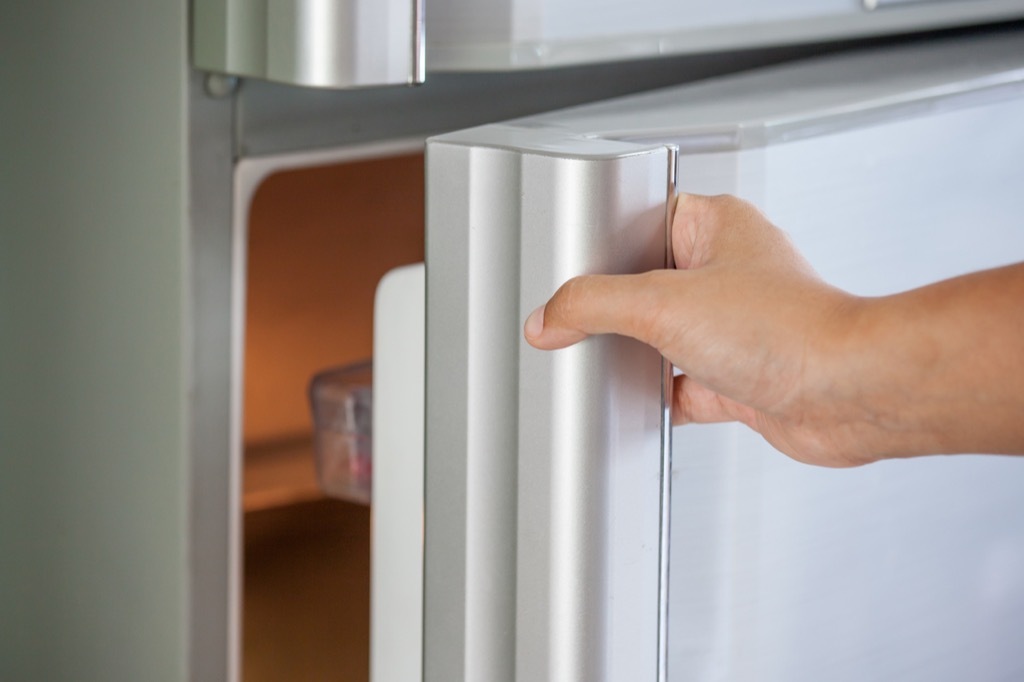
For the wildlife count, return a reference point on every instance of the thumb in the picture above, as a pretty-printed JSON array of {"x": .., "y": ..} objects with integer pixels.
[{"x": 598, "y": 304}]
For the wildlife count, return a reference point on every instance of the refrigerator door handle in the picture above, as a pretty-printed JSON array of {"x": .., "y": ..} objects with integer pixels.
[{"x": 546, "y": 482}]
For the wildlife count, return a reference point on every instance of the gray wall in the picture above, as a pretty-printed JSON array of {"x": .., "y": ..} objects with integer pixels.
[{"x": 93, "y": 388}]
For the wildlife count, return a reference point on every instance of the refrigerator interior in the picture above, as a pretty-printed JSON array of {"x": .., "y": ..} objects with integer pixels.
[{"x": 319, "y": 238}]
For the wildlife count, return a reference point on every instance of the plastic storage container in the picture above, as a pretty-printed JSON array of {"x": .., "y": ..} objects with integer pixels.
[{"x": 341, "y": 400}]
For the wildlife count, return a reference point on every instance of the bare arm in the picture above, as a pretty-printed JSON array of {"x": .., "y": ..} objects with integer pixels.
[{"x": 827, "y": 377}]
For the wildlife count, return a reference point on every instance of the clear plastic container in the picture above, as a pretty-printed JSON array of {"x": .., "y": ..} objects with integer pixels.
[{"x": 342, "y": 403}]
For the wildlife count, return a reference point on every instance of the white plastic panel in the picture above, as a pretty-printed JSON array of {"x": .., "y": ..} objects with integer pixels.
[
  {"x": 502, "y": 34},
  {"x": 396, "y": 581},
  {"x": 904, "y": 570}
]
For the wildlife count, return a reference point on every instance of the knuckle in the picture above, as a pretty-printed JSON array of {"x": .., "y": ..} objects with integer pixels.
[
  {"x": 723, "y": 200},
  {"x": 721, "y": 204},
  {"x": 566, "y": 300},
  {"x": 570, "y": 291},
  {"x": 731, "y": 209},
  {"x": 651, "y": 314}
]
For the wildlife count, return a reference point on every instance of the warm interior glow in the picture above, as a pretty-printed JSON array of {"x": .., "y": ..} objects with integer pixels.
[{"x": 319, "y": 241}]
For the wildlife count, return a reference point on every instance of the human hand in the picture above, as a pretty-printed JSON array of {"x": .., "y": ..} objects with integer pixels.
[{"x": 747, "y": 320}]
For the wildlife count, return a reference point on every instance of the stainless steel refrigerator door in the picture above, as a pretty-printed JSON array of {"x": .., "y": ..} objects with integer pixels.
[
  {"x": 544, "y": 474},
  {"x": 892, "y": 168}
]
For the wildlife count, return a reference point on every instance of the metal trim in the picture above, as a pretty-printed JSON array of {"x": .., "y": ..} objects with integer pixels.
[{"x": 667, "y": 388}]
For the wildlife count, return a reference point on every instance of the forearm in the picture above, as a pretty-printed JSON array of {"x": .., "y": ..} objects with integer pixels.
[{"x": 938, "y": 369}]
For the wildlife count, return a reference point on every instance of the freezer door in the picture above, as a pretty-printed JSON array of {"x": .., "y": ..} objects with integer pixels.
[
  {"x": 545, "y": 533},
  {"x": 530, "y": 34}
]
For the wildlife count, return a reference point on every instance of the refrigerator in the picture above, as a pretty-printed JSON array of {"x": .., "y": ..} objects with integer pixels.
[
  {"x": 546, "y": 530},
  {"x": 569, "y": 533}
]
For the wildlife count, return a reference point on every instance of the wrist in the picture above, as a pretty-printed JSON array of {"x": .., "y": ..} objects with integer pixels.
[{"x": 878, "y": 370}]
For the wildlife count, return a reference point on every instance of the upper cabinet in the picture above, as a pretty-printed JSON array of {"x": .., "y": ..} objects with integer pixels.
[{"x": 354, "y": 43}]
